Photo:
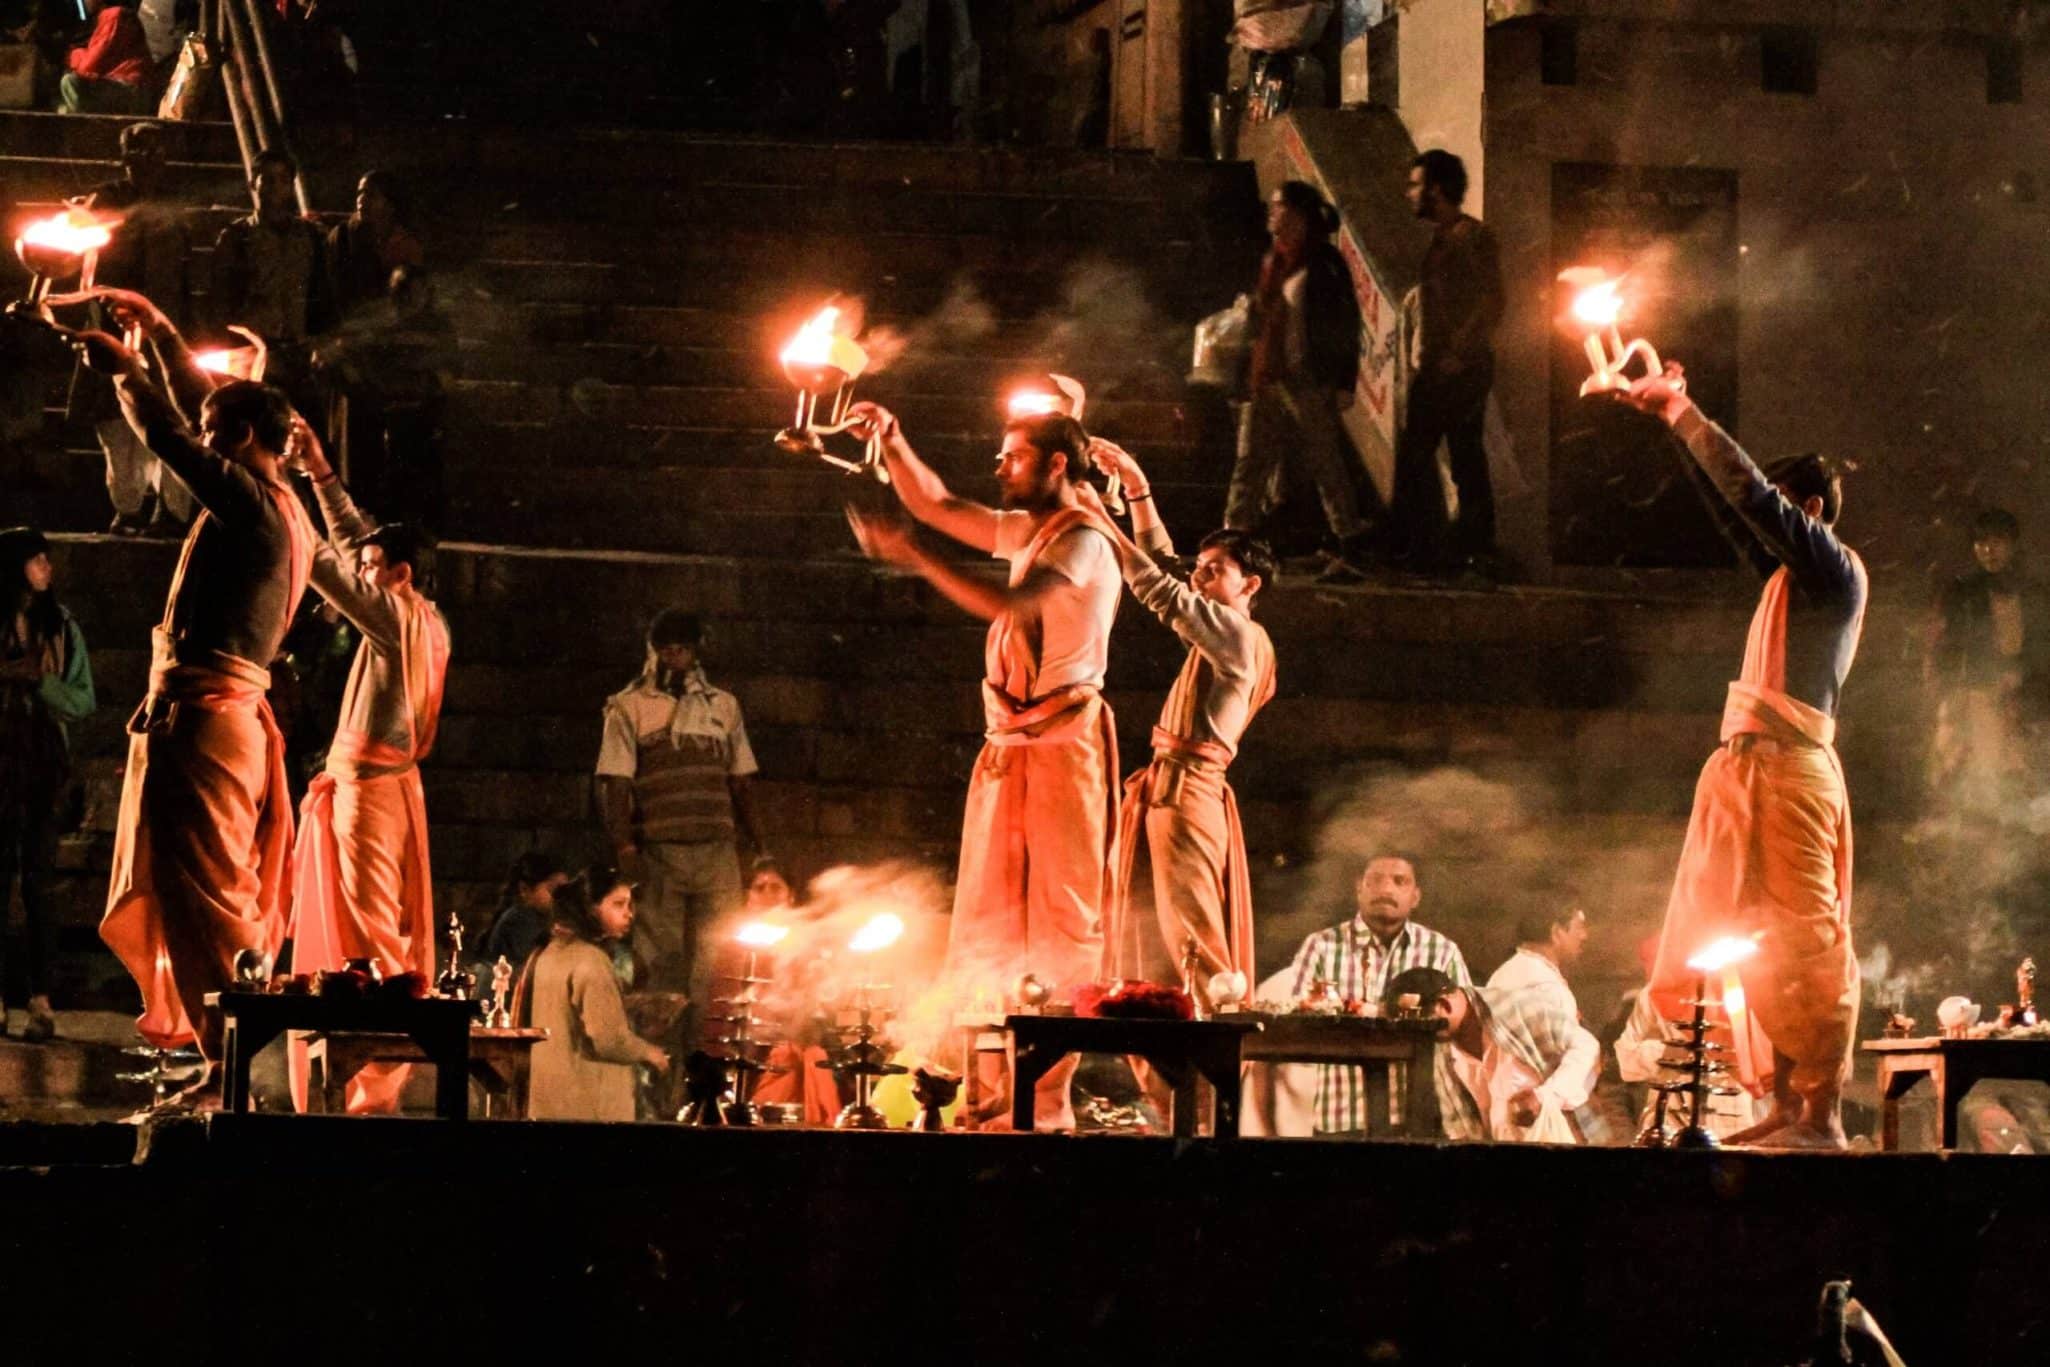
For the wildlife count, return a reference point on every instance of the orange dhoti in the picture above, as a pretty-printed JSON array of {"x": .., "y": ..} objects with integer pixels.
[
  {"x": 363, "y": 889},
  {"x": 1037, "y": 856},
  {"x": 1768, "y": 855},
  {"x": 1202, "y": 890},
  {"x": 203, "y": 844}
]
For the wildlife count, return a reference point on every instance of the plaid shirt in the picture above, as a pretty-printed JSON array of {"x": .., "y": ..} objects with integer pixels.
[
  {"x": 1359, "y": 966},
  {"x": 1532, "y": 1020}
]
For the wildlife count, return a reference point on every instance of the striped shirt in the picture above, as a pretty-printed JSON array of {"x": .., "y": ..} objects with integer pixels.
[{"x": 1359, "y": 967}]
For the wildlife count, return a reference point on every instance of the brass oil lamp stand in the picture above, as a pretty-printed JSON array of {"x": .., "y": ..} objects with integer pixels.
[
  {"x": 1695, "y": 1071},
  {"x": 864, "y": 1059}
]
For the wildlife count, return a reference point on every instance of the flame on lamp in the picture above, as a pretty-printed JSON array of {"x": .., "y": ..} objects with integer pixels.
[
  {"x": 72, "y": 233},
  {"x": 1599, "y": 305},
  {"x": 882, "y": 930},
  {"x": 1031, "y": 403},
  {"x": 1720, "y": 954},
  {"x": 761, "y": 934},
  {"x": 819, "y": 357}
]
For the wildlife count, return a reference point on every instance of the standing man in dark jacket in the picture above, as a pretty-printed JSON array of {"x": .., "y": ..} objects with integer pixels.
[
  {"x": 1306, "y": 361},
  {"x": 1461, "y": 289}
]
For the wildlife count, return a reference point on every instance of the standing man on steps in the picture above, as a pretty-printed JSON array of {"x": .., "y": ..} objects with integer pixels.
[
  {"x": 1038, "y": 837},
  {"x": 1461, "y": 291},
  {"x": 675, "y": 774}
]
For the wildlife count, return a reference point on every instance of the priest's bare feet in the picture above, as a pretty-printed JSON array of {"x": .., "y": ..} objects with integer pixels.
[
  {"x": 1822, "y": 1138},
  {"x": 1780, "y": 1119}
]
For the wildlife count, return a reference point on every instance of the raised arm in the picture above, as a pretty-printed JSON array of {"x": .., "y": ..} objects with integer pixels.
[
  {"x": 924, "y": 494},
  {"x": 223, "y": 488},
  {"x": 1807, "y": 546},
  {"x": 1147, "y": 528},
  {"x": 895, "y": 544}
]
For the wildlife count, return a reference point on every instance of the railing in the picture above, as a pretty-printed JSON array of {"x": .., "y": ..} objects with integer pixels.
[{"x": 238, "y": 31}]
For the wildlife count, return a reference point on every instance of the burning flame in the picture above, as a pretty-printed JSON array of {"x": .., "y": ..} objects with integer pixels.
[
  {"x": 219, "y": 362},
  {"x": 1720, "y": 954},
  {"x": 813, "y": 344},
  {"x": 761, "y": 934},
  {"x": 1031, "y": 403},
  {"x": 1598, "y": 306},
  {"x": 74, "y": 232},
  {"x": 882, "y": 930}
]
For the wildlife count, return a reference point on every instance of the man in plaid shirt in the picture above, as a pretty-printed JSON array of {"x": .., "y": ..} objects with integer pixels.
[{"x": 1358, "y": 959}]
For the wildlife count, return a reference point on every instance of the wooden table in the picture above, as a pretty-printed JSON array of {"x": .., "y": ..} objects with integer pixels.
[
  {"x": 1953, "y": 1065},
  {"x": 1180, "y": 1051},
  {"x": 439, "y": 1025},
  {"x": 1373, "y": 1044},
  {"x": 499, "y": 1060}
]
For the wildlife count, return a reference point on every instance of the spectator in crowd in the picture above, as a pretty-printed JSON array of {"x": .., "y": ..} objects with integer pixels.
[
  {"x": 46, "y": 682},
  {"x": 386, "y": 397},
  {"x": 364, "y": 249},
  {"x": 768, "y": 887},
  {"x": 674, "y": 771},
  {"x": 1985, "y": 664},
  {"x": 1461, "y": 303},
  {"x": 526, "y": 910},
  {"x": 1513, "y": 1065},
  {"x": 270, "y": 275},
  {"x": 1530, "y": 988},
  {"x": 110, "y": 73},
  {"x": 148, "y": 254},
  {"x": 1305, "y": 364},
  {"x": 585, "y": 1069},
  {"x": 1355, "y": 961}
]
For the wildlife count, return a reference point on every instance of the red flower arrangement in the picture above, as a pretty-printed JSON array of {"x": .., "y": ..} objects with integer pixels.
[{"x": 1134, "y": 1001}]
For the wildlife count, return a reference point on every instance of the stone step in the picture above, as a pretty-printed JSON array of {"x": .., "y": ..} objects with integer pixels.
[
  {"x": 34, "y": 182},
  {"x": 1173, "y": 284},
  {"x": 780, "y": 512},
  {"x": 537, "y": 359},
  {"x": 603, "y": 443},
  {"x": 965, "y": 330},
  {"x": 767, "y": 407}
]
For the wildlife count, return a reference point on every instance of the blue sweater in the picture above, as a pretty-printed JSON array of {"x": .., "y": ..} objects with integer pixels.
[{"x": 1826, "y": 605}]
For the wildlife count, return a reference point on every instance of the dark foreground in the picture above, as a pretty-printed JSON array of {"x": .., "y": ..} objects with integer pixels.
[{"x": 310, "y": 1239}]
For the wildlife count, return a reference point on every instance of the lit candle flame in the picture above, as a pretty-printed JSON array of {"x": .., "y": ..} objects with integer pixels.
[
  {"x": 761, "y": 934},
  {"x": 813, "y": 344},
  {"x": 883, "y": 930},
  {"x": 1598, "y": 306},
  {"x": 1720, "y": 954},
  {"x": 1031, "y": 403},
  {"x": 74, "y": 232},
  {"x": 219, "y": 362}
]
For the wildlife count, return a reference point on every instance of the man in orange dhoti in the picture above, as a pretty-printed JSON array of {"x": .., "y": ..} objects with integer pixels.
[
  {"x": 202, "y": 846},
  {"x": 1768, "y": 850},
  {"x": 362, "y": 886},
  {"x": 1038, "y": 833},
  {"x": 1202, "y": 891}
]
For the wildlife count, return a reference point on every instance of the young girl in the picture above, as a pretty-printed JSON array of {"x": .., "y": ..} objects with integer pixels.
[
  {"x": 45, "y": 683},
  {"x": 584, "y": 1070}
]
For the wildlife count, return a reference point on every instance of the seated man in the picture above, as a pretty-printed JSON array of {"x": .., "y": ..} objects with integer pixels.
[
  {"x": 110, "y": 73},
  {"x": 1509, "y": 1069},
  {"x": 1357, "y": 960}
]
